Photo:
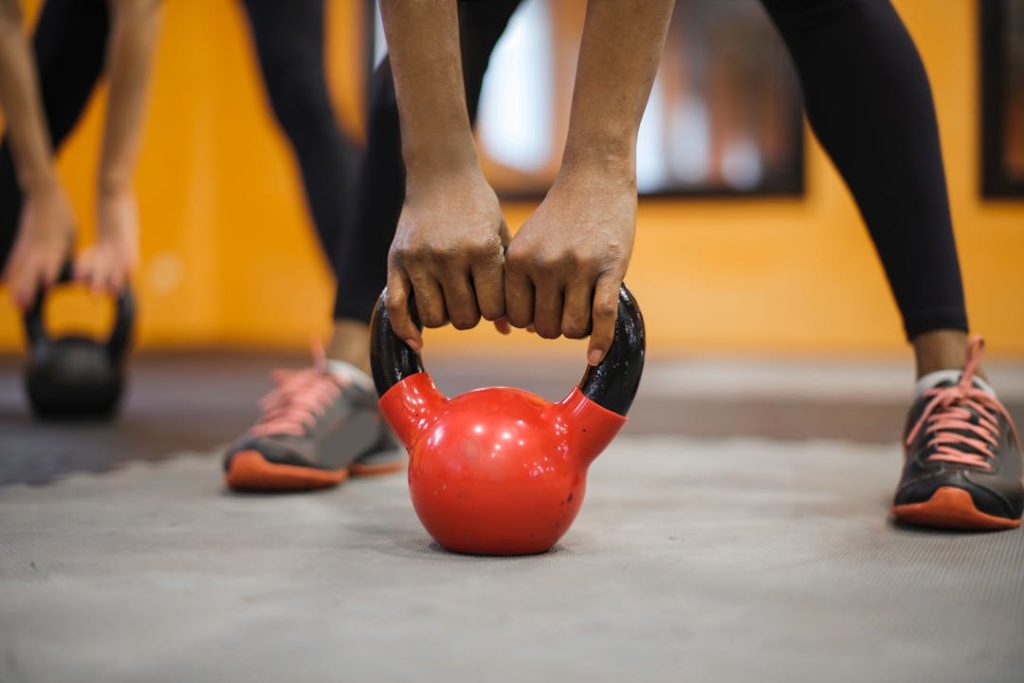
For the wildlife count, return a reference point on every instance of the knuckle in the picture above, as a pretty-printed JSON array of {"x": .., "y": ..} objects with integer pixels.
[
  {"x": 445, "y": 255},
  {"x": 481, "y": 252},
  {"x": 516, "y": 260},
  {"x": 575, "y": 329},
  {"x": 591, "y": 263},
  {"x": 540, "y": 262},
  {"x": 464, "y": 321},
  {"x": 492, "y": 309},
  {"x": 414, "y": 256},
  {"x": 517, "y": 318},
  {"x": 605, "y": 309},
  {"x": 570, "y": 259},
  {"x": 395, "y": 306},
  {"x": 431, "y": 316},
  {"x": 548, "y": 330}
]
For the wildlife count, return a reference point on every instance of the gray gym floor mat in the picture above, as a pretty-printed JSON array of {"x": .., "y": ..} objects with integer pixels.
[
  {"x": 692, "y": 560},
  {"x": 192, "y": 401}
]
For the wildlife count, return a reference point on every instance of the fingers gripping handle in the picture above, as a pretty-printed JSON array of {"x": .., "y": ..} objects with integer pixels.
[
  {"x": 612, "y": 384},
  {"x": 391, "y": 359},
  {"x": 124, "y": 318}
]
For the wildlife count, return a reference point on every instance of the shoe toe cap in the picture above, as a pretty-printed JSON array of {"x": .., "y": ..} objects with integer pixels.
[{"x": 991, "y": 496}]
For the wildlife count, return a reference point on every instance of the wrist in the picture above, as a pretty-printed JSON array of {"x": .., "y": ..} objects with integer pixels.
[
  {"x": 431, "y": 171},
  {"x": 610, "y": 173},
  {"x": 453, "y": 157},
  {"x": 610, "y": 160},
  {"x": 112, "y": 185},
  {"x": 39, "y": 180}
]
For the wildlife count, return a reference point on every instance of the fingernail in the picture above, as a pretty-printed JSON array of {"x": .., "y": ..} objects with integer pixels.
[
  {"x": 595, "y": 356},
  {"x": 412, "y": 344}
]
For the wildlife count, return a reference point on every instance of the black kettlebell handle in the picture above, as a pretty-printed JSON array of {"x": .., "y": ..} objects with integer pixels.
[
  {"x": 611, "y": 384},
  {"x": 124, "y": 318}
]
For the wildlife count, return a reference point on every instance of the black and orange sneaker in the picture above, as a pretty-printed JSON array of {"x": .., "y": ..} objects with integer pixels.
[
  {"x": 963, "y": 460},
  {"x": 319, "y": 425}
]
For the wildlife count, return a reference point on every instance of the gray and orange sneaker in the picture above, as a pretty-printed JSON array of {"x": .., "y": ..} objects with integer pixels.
[
  {"x": 319, "y": 426},
  {"x": 963, "y": 460}
]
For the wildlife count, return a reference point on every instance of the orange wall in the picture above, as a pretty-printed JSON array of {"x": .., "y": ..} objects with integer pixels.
[{"x": 229, "y": 258}]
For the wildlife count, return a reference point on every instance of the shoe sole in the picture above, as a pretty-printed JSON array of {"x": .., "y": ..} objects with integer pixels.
[
  {"x": 360, "y": 470},
  {"x": 951, "y": 508},
  {"x": 250, "y": 471}
]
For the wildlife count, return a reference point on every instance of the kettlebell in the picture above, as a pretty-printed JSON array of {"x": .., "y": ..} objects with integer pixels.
[
  {"x": 76, "y": 376},
  {"x": 501, "y": 471}
]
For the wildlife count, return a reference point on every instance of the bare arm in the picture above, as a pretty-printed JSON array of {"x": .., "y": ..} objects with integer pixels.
[
  {"x": 22, "y": 104},
  {"x": 450, "y": 238},
  {"x": 619, "y": 55},
  {"x": 46, "y": 227},
  {"x": 564, "y": 267},
  {"x": 129, "y": 63},
  {"x": 130, "y": 52}
]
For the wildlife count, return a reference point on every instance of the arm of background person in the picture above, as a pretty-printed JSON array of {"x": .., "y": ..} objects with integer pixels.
[
  {"x": 448, "y": 248},
  {"x": 564, "y": 267},
  {"x": 46, "y": 225},
  {"x": 130, "y": 51}
]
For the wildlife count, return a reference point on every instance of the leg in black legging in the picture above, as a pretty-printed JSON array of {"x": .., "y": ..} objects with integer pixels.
[
  {"x": 869, "y": 103},
  {"x": 289, "y": 38},
  {"x": 70, "y": 46},
  {"x": 382, "y": 177}
]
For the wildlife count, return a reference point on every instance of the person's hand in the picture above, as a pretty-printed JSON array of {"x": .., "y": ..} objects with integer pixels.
[
  {"x": 107, "y": 265},
  {"x": 448, "y": 252},
  {"x": 564, "y": 266},
  {"x": 46, "y": 236}
]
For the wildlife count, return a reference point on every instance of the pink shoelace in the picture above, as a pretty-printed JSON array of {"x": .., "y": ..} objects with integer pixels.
[
  {"x": 963, "y": 415},
  {"x": 299, "y": 398}
]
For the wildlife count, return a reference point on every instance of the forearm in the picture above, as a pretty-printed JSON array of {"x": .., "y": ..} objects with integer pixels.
[
  {"x": 423, "y": 46},
  {"x": 135, "y": 24},
  {"x": 22, "y": 103},
  {"x": 619, "y": 54}
]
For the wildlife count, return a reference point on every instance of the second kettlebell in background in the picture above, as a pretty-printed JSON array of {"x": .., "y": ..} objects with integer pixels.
[{"x": 76, "y": 376}]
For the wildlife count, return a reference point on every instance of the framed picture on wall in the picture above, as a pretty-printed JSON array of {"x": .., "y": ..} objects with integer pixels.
[
  {"x": 1002, "y": 98},
  {"x": 724, "y": 117}
]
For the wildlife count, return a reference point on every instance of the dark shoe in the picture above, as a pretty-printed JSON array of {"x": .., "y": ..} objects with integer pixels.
[
  {"x": 318, "y": 427},
  {"x": 963, "y": 460}
]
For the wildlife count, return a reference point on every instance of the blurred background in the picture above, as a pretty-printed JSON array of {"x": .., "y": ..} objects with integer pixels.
[{"x": 748, "y": 243}]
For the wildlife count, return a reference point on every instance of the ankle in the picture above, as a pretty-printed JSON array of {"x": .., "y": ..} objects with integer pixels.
[
  {"x": 350, "y": 342},
  {"x": 940, "y": 350}
]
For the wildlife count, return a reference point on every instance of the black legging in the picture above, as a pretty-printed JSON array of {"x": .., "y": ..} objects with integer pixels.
[
  {"x": 870, "y": 105},
  {"x": 289, "y": 39},
  {"x": 868, "y": 101}
]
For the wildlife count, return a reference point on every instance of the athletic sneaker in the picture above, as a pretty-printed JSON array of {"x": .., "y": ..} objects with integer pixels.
[
  {"x": 319, "y": 425},
  {"x": 963, "y": 460}
]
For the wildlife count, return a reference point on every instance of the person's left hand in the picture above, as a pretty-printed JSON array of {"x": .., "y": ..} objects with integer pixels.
[
  {"x": 564, "y": 266},
  {"x": 107, "y": 265}
]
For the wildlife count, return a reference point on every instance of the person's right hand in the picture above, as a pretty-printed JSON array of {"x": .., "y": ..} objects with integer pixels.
[
  {"x": 448, "y": 251},
  {"x": 46, "y": 236},
  {"x": 107, "y": 265}
]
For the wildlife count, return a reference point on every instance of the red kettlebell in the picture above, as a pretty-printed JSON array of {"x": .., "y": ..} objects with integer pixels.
[{"x": 501, "y": 471}]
